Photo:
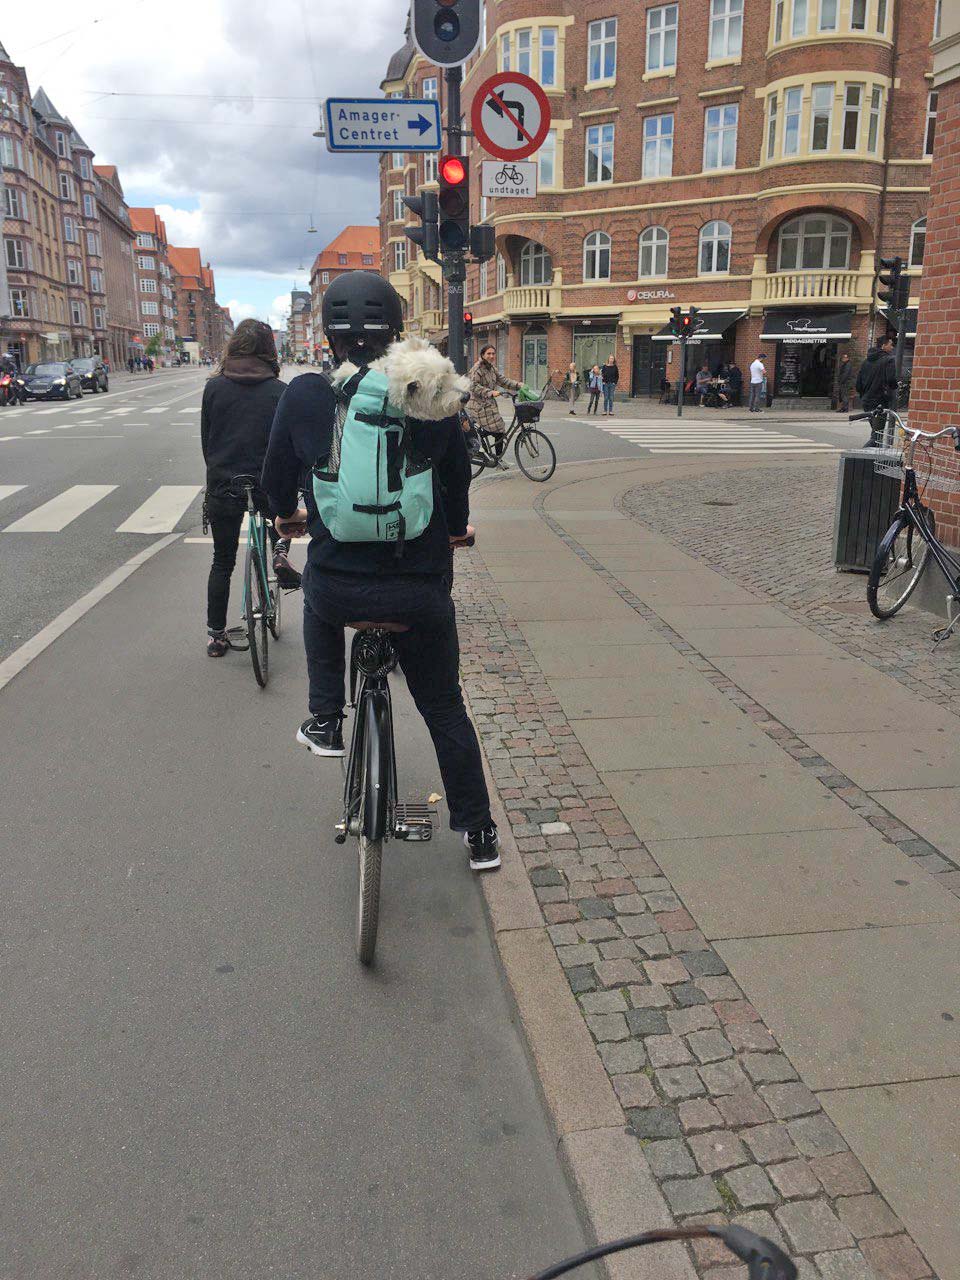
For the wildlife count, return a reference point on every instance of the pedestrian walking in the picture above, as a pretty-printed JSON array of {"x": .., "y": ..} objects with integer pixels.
[
  {"x": 844, "y": 383},
  {"x": 573, "y": 385},
  {"x": 595, "y": 386},
  {"x": 758, "y": 384},
  {"x": 487, "y": 383},
  {"x": 734, "y": 380},
  {"x": 611, "y": 376},
  {"x": 877, "y": 382}
]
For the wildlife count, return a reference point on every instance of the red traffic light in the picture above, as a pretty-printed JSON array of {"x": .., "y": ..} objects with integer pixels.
[
  {"x": 452, "y": 170},
  {"x": 468, "y": 317}
]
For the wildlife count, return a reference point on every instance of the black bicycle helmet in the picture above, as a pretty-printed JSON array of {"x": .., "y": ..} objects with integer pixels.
[{"x": 361, "y": 304}]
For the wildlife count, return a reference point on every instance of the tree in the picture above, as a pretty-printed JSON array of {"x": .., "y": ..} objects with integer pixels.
[{"x": 154, "y": 346}]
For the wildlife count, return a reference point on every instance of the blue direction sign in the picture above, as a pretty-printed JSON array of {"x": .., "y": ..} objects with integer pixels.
[{"x": 382, "y": 124}]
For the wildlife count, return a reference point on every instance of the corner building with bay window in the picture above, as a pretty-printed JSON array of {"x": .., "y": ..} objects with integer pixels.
[{"x": 749, "y": 157}]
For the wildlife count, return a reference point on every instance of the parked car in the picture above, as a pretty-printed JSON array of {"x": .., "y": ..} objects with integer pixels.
[
  {"x": 50, "y": 380},
  {"x": 94, "y": 375}
]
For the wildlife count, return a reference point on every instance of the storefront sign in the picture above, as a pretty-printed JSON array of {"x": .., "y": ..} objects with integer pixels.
[
  {"x": 649, "y": 295},
  {"x": 807, "y": 327},
  {"x": 788, "y": 370}
]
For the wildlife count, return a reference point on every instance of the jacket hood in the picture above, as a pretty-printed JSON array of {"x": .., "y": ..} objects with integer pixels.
[
  {"x": 421, "y": 382},
  {"x": 873, "y": 354},
  {"x": 248, "y": 369}
]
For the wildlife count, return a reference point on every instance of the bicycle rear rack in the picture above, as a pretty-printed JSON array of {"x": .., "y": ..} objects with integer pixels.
[{"x": 413, "y": 821}]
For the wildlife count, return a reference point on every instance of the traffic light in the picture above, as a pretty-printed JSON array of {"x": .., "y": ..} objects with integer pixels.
[
  {"x": 483, "y": 243},
  {"x": 890, "y": 292},
  {"x": 425, "y": 206},
  {"x": 688, "y": 322},
  {"x": 446, "y": 31},
  {"x": 467, "y": 325},
  {"x": 454, "y": 202},
  {"x": 903, "y": 293},
  {"x": 676, "y": 321}
]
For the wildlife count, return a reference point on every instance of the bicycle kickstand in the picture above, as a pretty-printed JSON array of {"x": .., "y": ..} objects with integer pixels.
[{"x": 953, "y": 620}]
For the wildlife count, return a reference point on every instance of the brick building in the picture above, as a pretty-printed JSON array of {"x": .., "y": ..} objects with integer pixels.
[
  {"x": 936, "y": 370},
  {"x": 199, "y": 317},
  {"x": 299, "y": 325},
  {"x": 751, "y": 157},
  {"x": 354, "y": 249},
  {"x": 158, "y": 313},
  {"x": 119, "y": 247}
]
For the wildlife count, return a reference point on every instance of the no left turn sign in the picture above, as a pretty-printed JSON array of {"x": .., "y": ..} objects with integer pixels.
[{"x": 510, "y": 115}]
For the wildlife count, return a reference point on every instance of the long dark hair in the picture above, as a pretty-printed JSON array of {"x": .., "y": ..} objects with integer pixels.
[{"x": 252, "y": 338}]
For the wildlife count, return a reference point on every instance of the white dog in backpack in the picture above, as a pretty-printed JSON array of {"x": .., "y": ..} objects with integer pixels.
[{"x": 422, "y": 382}]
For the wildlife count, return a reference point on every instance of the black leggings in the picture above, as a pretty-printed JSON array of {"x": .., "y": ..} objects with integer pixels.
[{"x": 226, "y": 517}]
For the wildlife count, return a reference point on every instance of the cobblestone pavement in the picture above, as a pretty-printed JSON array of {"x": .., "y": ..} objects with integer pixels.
[
  {"x": 733, "y": 521},
  {"x": 727, "y": 1127}
]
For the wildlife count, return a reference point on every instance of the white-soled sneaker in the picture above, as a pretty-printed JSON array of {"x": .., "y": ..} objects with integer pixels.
[{"x": 484, "y": 846}]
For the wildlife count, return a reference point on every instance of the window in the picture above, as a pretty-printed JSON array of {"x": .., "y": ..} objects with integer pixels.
[
  {"x": 821, "y": 115},
  {"x": 536, "y": 266},
  {"x": 484, "y": 208},
  {"x": 726, "y": 28},
  {"x": 547, "y": 160},
  {"x": 98, "y": 318},
  {"x": 151, "y": 330},
  {"x": 74, "y": 271},
  {"x": 937, "y": 18},
  {"x": 429, "y": 87},
  {"x": 599, "y": 157},
  {"x": 505, "y": 52},
  {"x": 89, "y": 207},
  {"x": 662, "y": 38},
  {"x": 918, "y": 241},
  {"x": 400, "y": 255},
  {"x": 602, "y": 50},
  {"x": 342, "y": 259},
  {"x": 771, "y": 125},
  {"x": 524, "y": 50},
  {"x": 398, "y": 205},
  {"x": 501, "y": 273},
  {"x": 858, "y": 15},
  {"x": 778, "y": 21},
  {"x": 484, "y": 278},
  {"x": 148, "y": 308},
  {"x": 148, "y": 286},
  {"x": 715, "y": 248},
  {"x": 852, "y": 98},
  {"x": 20, "y": 303},
  {"x": 14, "y": 203},
  {"x": 881, "y": 16},
  {"x": 654, "y": 246},
  {"x": 146, "y": 263},
  {"x": 430, "y": 167},
  {"x": 799, "y": 24},
  {"x": 62, "y": 147},
  {"x": 720, "y": 137},
  {"x": 144, "y": 241},
  {"x": 84, "y": 166},
  {"x": 8, "y": 156},
  {"x": 366, "y": 259},
  {"x": 96, "y": 281},
  {"x": 873, "y": 131},
  {"x": 814, "y": 242},
  {"x": 66, "y": 187},
  {"x": 69, "y": 233},
  {"x": 548, "y": 56},
  {"x": 658, "y": 146},
  {"x": 396, "y": 160},
  {"x": 93, "y": 244},
  {"x": 828, "y": 15},
  {"x": 930, "y": 131},
  {"x": 596, "y": 256},
  {"x": 77, "y": 313}
]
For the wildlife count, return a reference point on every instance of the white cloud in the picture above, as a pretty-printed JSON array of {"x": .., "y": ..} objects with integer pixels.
[
  {"x": 279, "y": 311},
  {"x": 242, "y": 310}
]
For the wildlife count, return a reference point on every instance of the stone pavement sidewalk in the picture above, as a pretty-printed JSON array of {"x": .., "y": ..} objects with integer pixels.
[{"x": 707, "y": 800}]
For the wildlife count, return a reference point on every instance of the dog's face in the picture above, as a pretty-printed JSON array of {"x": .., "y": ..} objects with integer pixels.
[{"x": 423, "y": 383}]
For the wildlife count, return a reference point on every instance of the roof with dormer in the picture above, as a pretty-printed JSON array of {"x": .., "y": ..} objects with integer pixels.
[{"x": 46, "y": 108}]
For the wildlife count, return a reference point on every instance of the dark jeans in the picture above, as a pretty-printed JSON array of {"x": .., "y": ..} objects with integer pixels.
[
  {"x": 608, "y": 389},
  {"x": 429, "y": 658},
  {"x": 594, "y": 400},
  {"x": 757, "y": 398},
  {"x": 226, "y": 517}
]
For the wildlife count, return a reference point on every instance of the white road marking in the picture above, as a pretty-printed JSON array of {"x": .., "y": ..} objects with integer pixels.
[
  {"x": 89, "y": 409},
  {"x": 7, "y": 489},
  {"x": 162, "y": 510},
  {"x": 677, "y": 436},
  {"x": 43, "y": 431},
  {"x": 56, "y": 514},
  {"x": 64, "y": 426},
  {"x": 9, "y": 437},
  {"x": 160, "y": 410},
  {"x": 41, "y": 412}
]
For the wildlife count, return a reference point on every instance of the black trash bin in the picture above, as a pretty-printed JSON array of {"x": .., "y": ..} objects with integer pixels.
[{"x": 867, "y": 501}]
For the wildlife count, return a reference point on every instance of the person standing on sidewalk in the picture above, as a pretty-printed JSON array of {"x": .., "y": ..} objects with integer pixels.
[
  {"x": 611, "y": 376},
  {"x": 573, "y": 386},
  {"x": 844, "y": 383},
  {"x": 758, "y": 384},
  {"x": 595, "y": 385}
]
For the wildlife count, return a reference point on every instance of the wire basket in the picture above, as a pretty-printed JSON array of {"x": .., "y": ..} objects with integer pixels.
[
  {"x": 887, "y": 443},
  {"x": 937, "y": 465}
]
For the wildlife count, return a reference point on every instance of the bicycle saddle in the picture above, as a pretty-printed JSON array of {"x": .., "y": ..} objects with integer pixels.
[
  {"x": 378, "y": 626},
  {"x": 239, "y": 483}
]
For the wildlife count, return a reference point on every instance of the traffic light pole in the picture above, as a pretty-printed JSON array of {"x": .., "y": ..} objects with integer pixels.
[
  {"x": 454, "y": 264},
  {"x": 683, "y": 376}
]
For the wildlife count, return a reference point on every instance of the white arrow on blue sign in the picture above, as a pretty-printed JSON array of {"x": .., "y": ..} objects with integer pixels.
[{"x": 382, "y": 124}]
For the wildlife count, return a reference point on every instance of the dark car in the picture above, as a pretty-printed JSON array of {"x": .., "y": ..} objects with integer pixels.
[
  {"x": 93, "y": 373},
  {"x": 50, "y": 380}
]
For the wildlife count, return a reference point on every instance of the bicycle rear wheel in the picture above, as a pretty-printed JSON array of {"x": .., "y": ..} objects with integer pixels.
[
  {"x": 900, "y": 563},
  {"x": 256, "y": 611},
  {"x": 536, "y": 456},
  {"x": 276, "y": 595},
  {"x": 375, "y": 792}
]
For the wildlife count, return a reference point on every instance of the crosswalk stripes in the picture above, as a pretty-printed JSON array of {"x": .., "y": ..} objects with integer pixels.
[
  {"x": 710, "y": 438},
  {"x": 55, "y": 515},
  {"x": 160, "y": 513},
  {"x": 162, "y": 510},
  {"x": 7, "y": 489}
]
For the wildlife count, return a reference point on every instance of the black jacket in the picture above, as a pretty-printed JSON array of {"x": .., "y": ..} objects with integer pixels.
[
  {"x": 235, "y": 419},
  {"x": 302, "y": 434},
  {"x": 845, "y": 376},
  {"x": 877, "y": 380},
  {"x": 610, "y": 373}
]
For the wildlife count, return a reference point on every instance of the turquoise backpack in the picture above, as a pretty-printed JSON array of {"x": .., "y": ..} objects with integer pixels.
[{"x": 373, "y": 486}]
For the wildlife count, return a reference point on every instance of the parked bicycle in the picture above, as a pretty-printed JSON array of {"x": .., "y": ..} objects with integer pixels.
[
  {"x": 535, "y": 455},
  {"x": 260, "y": 605},
  {"x": 371, "y": 811},
  {"x": 911, "y": 541}
]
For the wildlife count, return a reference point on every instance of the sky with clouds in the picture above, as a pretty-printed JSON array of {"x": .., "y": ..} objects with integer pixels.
[{"x": 208, "y": 111}]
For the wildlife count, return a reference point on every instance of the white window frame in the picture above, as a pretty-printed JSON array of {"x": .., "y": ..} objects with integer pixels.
[
  {"x": 826, "y": 91},
  {"x": 862, "y": 9},
  {"x": 324, "y": 277},
  {"x": 505, "y": 52},
  {"x": 549, "y": 45},
  {"x": 93, "y": 245},
  {"x": 431, "y": 171},
  {"x": 598, "y": 139},
  {"x": 148, "y": 307},
  {"x": 652, "y": 242},
  {"x": 881, "y": 17},
  {"x": 501, "y": 273},
  {"x": 717, "y": 125},
  {"x": 773, "y": 105},
  {"x": 429, "y": 88},
  {"x": 918, "y": 238},
  {"x": 398, "y": 205},
  {"x": 397, "y": 159},
  {"x": 601, "y": 44},
  {"x": 96, "y": 280},
  {"x": 799, "y": 19},
  {"x": 77, "y": 312},
  {"x": 74, "y": 271},
  {"x": 65, "y": 184},
  {"x": 831, "y": 7},
  {"x": 148, "y": 286},
  {"x": 536, "y": 264},
  {"x": 778, "y": 13},
  {"x": 875, "y": 111},
  {"x": 20, "y": 304},
  {"x": 99, "y": 320},
  {"x": 792, "y": 120},
  {"x": 70, "y": 230},
  {"x": 145, "y": 263},
  {"x": 597, "y": 252},
  {"x": 713, "y": 235},
  {"x": 658, "y": 133},
  {"x": 546, "y": 159},
  {"x": 726, "y": 29},
  {"x": 836, "y": 228},
  {"x": 484, "y": 278},
  {"x": 524, "y": 50},
  {"x": 16, "y": 253},
  {"x": 661, "y": 52},
  {"x": 930, "y": 122},
  {"x": 145, "y": 240},
  {"x": 15, "y": 203},
  {"x": 400, "y": 255},
  {"x": 84, "y": 162},
  {"x": 63, "y": 144},
  {"x": 852, "y": 110},
  {"x": 89, "y": 206},
  {"x": 151, "y": 330}
]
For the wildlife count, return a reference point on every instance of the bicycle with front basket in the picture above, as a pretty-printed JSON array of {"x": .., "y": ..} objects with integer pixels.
[
  {"x": 260, "y": 604},
  {"x": 535, "y": 454},
  {"x": 911, "y": 541}
]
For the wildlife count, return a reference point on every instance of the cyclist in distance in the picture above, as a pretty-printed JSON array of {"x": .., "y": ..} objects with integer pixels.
[
  {"x": 235, "y": 417},
  {"x": 403, "y": 581}
]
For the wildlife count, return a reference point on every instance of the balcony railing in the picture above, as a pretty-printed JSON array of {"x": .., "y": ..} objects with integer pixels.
[
  {"x": 812, "y": 286},
  {"x": 533, "y": 299}
]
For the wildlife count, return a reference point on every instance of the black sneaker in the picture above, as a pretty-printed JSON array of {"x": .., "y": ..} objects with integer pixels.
[
  {"x": 287, "y": 576},
  {"x": 484, "y": 846},
  {"x": 322, "y": 737}
]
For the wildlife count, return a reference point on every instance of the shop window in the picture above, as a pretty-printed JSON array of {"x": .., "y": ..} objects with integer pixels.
[
  {"x": 918, "y": 240},
  {"x": 715, "y": 238},
  {"x": 596, "y": 256},
  {"x": 814, "y": 242},
  {"x": 654, "y": 251},
  {"x": 536, "y": 265}
]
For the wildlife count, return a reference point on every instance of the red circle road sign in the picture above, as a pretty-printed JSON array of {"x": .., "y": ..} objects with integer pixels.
[{"x": 510, "y": 115}]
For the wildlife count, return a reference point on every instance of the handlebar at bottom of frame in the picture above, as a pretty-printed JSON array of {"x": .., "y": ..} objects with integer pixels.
[{"x": 764, "y": 1259}]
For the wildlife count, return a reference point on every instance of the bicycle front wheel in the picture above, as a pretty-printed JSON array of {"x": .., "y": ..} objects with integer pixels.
[
  {"x": 276, "y": 595},
  {"x": 901, "y": 560},
  {"x": 536, "y": 456},
  {"x": 256, "y": 613}
]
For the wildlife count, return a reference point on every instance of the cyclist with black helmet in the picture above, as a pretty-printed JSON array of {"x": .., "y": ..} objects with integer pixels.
[{"x": 396, "y": 578}]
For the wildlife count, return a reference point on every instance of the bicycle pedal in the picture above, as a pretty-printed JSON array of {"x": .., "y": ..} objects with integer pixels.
[{"x": 414, "y": 821}]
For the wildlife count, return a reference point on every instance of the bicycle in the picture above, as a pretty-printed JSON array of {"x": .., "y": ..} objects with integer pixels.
[
  {"x": 764, "y": 1259},
  {"x": 509, "y": 173},
  {"x": 371, "y": 811},
  {"x": 536, "y": 456},
  {"x": 899, "y": 564},
  {"x": 260, "y": 604}
]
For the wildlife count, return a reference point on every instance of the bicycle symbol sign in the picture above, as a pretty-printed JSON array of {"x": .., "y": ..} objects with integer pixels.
[
  {"x": 514, "y": 178},
  {"x": 510, "y": 115}
]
